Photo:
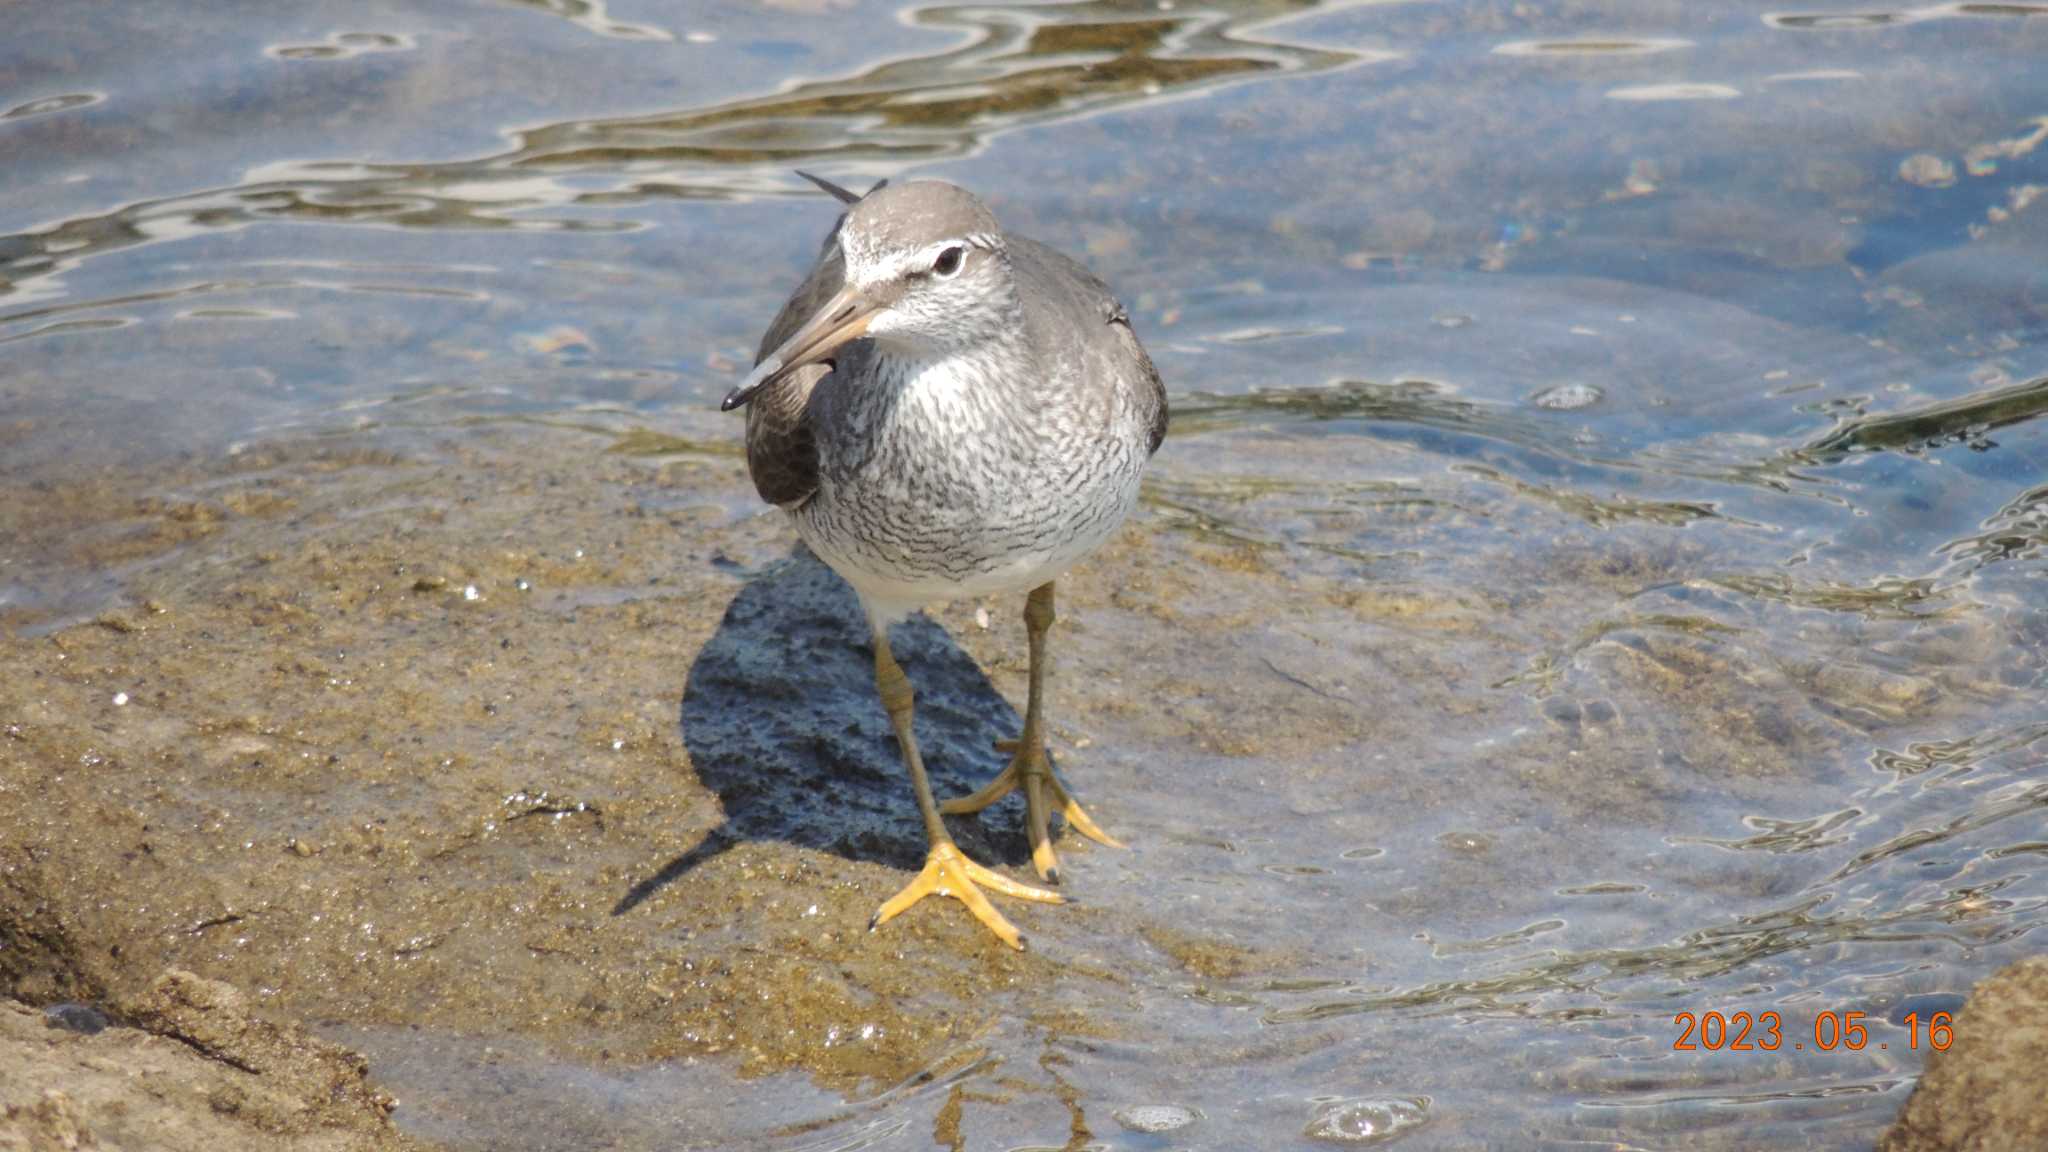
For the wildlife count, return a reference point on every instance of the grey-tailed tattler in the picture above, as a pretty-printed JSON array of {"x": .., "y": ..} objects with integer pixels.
[{"x": 947, "y": 410}]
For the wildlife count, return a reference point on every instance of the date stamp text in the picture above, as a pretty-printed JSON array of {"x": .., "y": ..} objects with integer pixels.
[{"x": 1766, "y": 1032}]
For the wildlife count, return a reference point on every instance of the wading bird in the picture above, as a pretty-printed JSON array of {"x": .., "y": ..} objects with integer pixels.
[{"x": 946, "y": 410}]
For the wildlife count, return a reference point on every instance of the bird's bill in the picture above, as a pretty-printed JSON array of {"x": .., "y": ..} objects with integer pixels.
[{"x": 844, "y": 318}]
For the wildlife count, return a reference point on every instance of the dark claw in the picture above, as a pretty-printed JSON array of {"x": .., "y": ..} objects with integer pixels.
[
  {"x": 1052, "y": 876},
  {"x": 872, "y": 922}
]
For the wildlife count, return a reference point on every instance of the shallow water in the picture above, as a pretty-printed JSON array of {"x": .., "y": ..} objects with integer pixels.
[{"x": 1615, "y": 434}]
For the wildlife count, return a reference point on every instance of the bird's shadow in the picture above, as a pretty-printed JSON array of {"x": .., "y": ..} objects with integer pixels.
[{"x": 782, "y": 721}]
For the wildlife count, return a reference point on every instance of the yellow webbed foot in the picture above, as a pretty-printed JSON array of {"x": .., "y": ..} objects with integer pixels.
[
  {"x": 948, "y": 872},
  {"x": 1029, "y": 771}
]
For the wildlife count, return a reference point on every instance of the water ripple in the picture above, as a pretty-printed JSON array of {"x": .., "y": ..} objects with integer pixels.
[
  {"x": 1021, "y": 65},
  {"x": 1964, "y": 420},
  {"x": 49, "y": 104},
  {"x": 1838, "y": 21},
  {"x": 1592, "y": 46},
  {"x": 342, "y": 46},
  {"x": 1675, "y": 90}
]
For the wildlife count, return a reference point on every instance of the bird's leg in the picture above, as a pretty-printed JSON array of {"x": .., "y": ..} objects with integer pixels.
[
  {"x": 1028, "y": 768},
  {"x": 946, "y": 869}
]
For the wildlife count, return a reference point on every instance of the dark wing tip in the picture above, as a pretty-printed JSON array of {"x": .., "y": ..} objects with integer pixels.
[
  {"x": 839, "y": 193},
  {"x": 844, "y": 196}
]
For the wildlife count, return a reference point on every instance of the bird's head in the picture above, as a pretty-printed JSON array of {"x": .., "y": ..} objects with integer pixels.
[{"x": 926, "y": 275}]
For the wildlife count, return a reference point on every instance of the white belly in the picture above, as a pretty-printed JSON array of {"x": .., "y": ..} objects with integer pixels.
[
  {"x": 890, "y": 591},
  {"x": 939, "y": 482}
]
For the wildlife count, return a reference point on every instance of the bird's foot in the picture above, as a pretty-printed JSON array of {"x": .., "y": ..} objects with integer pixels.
[
  {"x": 1043, "y": 791},
  {"x": 949, "y": 872}
]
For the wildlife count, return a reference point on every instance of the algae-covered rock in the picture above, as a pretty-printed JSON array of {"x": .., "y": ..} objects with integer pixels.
[{"x": 1985, "y": 1093}]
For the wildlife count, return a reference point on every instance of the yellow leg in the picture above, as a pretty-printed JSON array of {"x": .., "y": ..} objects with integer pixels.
[
  {"x": 1028, "y": 768},
  {"x": 946, "y": 870}
]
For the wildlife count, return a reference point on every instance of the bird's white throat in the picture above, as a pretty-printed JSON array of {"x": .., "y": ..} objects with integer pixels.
[{"x": 954, "y": 390}]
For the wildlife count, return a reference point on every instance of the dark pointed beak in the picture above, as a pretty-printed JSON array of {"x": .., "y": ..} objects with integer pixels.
[{"x": 844, "y": 318}]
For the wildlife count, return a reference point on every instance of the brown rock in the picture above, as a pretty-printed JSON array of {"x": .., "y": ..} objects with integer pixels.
[
  {"x": 215, "y": 1080},
  {"x": 1985, "y": 1094},
  {"x": 50, "y": 1123},
  {"x": 314, "y": 1083},
  {"x": 38, "y": 960}
]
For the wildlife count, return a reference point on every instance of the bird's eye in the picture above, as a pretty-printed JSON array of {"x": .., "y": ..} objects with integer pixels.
[{"x": 949, "y": 261}]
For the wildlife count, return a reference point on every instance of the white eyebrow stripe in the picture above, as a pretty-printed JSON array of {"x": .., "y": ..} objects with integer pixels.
[
  {"x": 930, "y": 255},
  {"x": 915, "y": 263}
]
